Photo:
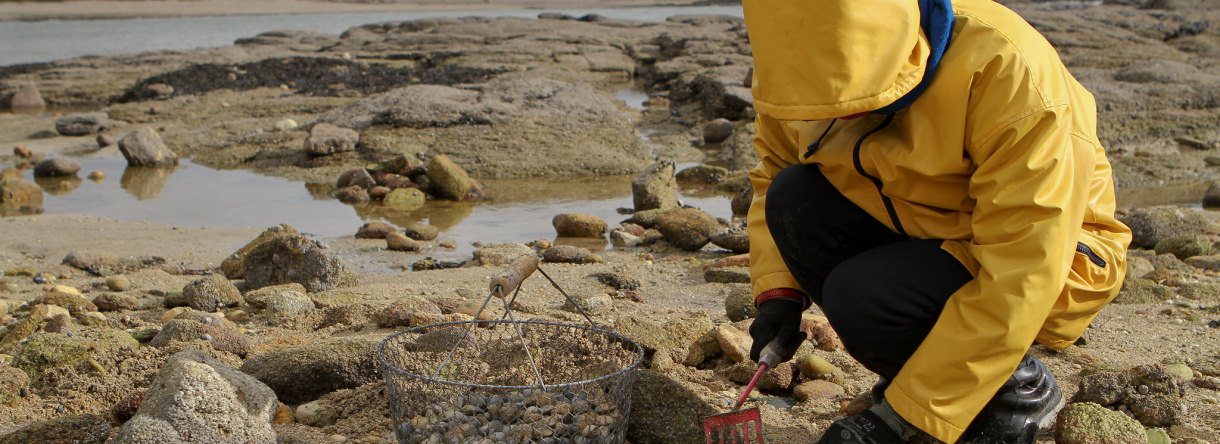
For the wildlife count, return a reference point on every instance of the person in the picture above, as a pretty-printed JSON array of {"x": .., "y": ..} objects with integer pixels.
[{"x": 931, "y": 178}]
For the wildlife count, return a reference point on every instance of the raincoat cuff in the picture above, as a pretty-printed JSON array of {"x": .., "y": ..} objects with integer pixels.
[{"x": 915, "y": 414}]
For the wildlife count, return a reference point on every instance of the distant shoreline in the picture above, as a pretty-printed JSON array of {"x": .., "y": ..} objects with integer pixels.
[{"x": 112, "y": 9}]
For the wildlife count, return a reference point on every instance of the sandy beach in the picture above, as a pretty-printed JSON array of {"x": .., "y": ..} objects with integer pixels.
[{"x": 107, "y": 9}]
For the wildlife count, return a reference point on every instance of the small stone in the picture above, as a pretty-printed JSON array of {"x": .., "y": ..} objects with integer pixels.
[
  {"x": 57, "y": 167},
  {"x": 97, "y": 176},
  {"x": 702, "y": 175},
  {"x": 143, "y": 147},
  {"x": 592, "y": 304},
  {"x": 325, "y": 139},
  {"x": 404, "y": 199},
  {"x": 286, "y": 125},
  {"x": 817, "y": 389},
  {"x": 157, "y": 91},
  {"x": 422, "y": 232},
  {"x": 566, "y": 254},
  {"x": 733, "y": 342},
  {"x": 399, "y": 242},
  {"x": 105, "y": 140},
  {"x": 727, "y": 275},
  {"x": 687, "y": 228},
  {"x": 118, "y": 282},
  {"x": 717, "y": 131},
  {"x": 92, "y": 318},
  {"x": 578, "y": 225}
]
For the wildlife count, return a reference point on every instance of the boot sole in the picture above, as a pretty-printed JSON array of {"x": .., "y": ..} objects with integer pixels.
[{"x": 1053, "y": 412}]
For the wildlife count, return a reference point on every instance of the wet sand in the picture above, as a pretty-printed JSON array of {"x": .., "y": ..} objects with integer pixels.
[{"x": 108, "y": 9}]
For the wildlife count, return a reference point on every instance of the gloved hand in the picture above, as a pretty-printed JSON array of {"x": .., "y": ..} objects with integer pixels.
[{"x": 778, "y": 320}]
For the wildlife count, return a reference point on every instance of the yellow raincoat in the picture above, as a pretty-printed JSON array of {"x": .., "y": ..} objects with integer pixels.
[{"x": 999, "y": 156}]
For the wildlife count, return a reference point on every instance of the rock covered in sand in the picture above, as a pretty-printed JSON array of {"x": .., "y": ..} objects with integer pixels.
[
  {"x": 1090, "y": 423},
  {"x": 293, "y": 258},
  {"x": 325, "y": 139},
  {"x": 233, "y": 266},
  {"x": 655, "y": 187},
  {"x": 197, "y": 399},
  {"x": 211, "y": 293}
]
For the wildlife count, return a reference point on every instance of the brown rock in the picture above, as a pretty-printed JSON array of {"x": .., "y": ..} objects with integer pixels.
[
  {"x": 450, "y": 181},
  {"x": 717, "y": 131},
  {"x": 399, "y": 242},
  {"x": 375, "y": 230},
  {"x": 817, "y": 389},
  {"x": 579, "y": 225},
  {"x": 325, "y": 139},
  {"x": 233, "y": 266},
  {"x": 356, "y": 176},
  {"x": 733, "y": 342},
  {"x": 27, "y": 99},
  {"x": 143, "y": 147},
  {"x": 352, "y": 195},
  {"x": 742, "y": 200}
]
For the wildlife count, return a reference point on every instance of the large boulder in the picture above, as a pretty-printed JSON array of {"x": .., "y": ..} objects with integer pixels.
[
  {"x": 293, "y": 258},
  {"x": 303, "y": 373},
  {"x": 45, "y": 351},
  {"x": 197, "y": 399},
  {"x": 143, "y": 147}
]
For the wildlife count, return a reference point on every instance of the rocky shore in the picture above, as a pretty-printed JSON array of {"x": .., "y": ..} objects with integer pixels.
[{"x": 133, "y": 332}]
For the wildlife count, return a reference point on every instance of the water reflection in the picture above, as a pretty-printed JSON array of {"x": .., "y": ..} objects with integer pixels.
[
  {"x": 146, "y": 183},
  {"x": 58, "y": 185},
  {"x": 442, "y": 214}
]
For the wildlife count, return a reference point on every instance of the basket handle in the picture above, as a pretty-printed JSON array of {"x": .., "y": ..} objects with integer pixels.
[{"x": 508, "y": 280}]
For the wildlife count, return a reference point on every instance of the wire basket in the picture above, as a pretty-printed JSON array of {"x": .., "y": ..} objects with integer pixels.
[{"x": 509, "y": 381}]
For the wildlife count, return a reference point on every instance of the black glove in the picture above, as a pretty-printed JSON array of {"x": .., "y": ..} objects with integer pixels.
[{"x": 778, "y": 320}]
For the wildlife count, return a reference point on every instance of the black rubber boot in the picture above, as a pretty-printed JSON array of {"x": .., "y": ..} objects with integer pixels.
[
  {"x": 878, "y": 392},
  {"x": 1028, "y": 401}
]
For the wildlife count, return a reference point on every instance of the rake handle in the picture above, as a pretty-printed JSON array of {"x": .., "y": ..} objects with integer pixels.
[
  {"x": 508, "y": 280},
  {"x": 768, "y": 358}
]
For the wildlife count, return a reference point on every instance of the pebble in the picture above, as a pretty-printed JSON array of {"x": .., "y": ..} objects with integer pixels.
[
  {"x": 97, "y": 176},
  {"x": 118, "y": 283}
]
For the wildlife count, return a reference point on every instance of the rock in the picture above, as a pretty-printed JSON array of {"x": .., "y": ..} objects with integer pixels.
[
  {"x": 398, "y": 313},
  {"x": 45, "y": 351},
  {"x": 813, "y": 366},
  {"x": 286, "y": 305},
  {"x": 27, "y": 99},
  {"x": 19, "y": 196},
  {"x": 702, "y": 175},
  {"x": 1158, "y": 436},
  {"x": 111, "y": 265},
  {"x": 143, "y": 147},
  {"x": 617, "y": 281},
  {"x": 12, "y": 380},
  {"x": 739, "y": 304},
  {"x": 1143, "y": 291},
  {"x": 286, "y": 124},
  {"x": 359, "y": 177},
  {"x": 819, "y": 332},
  {"x": 655, "y": 188},
  {"x": 1151, "y": 225},
  {"x": 1149, "y": 392},
  {"x": 316, "y": 414},
  {"x": 378, "y": 192},
  {"x": 159, "y": 91},
  {"x": 105, "y": 140},
  {"x": 817, "y": 389},
  {"x": 353, "y": 195},
  {"x": 118, "y": 282},
  {"x": 717, "y": 131},
  {"x": 197, "y": 399},
  {"x": 115, "y": 302},
  {"x": 701, "y": 349},
  {"x": 233, "y": 266},
  {"x": 663, "y": 410},
  {"x": 83, "y": 124},
  {"x": 1185, "y": 245},
  {"x": 258, "y": 298},
  {"x": 579, "y": 225},
  {"x": 56, "y": 167},
  {"x": 727, "y": 275},
  {"x": 221, "y": 337},
  {"x": 645, "y": 219},
  {"x": 293, "y": 258},
  {"x": 623, "y": 239},
  {"x": 399, "y": 242},
  {"x": 211, "y": 293},
  {"x": 325, "y": 139},
  {"x": 742, "y": 200},
  {"x": 775, "y": 379},
  {"x": 405, "y": 199},
  {"x": 22, "y": 329},
  {"x": 303, "y": 373},
  {"x": 375, "y": 230},
  {"x": 687, "y": 228},
  {"x": 76, "y": 429},
  {"x": 501, "y": 254},
  {"x": 450, "y": 181},
  {"x": 733, "y": 342},
  {"x": 421, "y": 232},
  {"x": 594, "y": 304},
  {"x": 566, "y": 254},
  {"x": 69, "y": 298},
  {"x": 1090, "y": 423}
]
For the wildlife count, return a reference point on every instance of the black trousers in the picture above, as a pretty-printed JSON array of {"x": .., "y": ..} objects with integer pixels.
[{"x": 881, "y": 291}]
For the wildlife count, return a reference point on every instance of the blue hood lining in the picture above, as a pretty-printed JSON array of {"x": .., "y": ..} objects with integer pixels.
[{"x": 936, "y": 21}]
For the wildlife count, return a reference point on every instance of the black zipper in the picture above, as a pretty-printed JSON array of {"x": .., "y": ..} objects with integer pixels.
[
  {"x": 1088, "y": 252},
  {"x": 818, "y": 143},
  {"x": 889, "y": 204}
]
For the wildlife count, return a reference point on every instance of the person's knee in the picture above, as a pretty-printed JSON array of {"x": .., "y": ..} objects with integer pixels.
[{"x": 795, "y": 184}]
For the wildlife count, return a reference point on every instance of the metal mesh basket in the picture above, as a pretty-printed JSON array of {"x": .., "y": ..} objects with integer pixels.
[{"x": 509, "y": 381}]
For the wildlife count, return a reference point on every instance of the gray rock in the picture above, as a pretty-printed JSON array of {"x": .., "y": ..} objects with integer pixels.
[
  {"x": 325, "y": 139},
  {"x": 566, "y": 254},
  {"x": 27, "y": 99},
  {"x": 258, "y": 298},
  {"x": 211, "y": 293},
  {"x": 357, "y": 176},
  {"x": 450, "y": 181},
  {"x": 501, "y": 254},
  {"x": 303, "y": 373},
  {"x": 234, "y": 265},
  {"x": 578, "y": 225},
  {"x": 1090, "y": 423},
  {"x": 1185, "y": 245},
  {"x": 1154, "y": 396},
  {"x": 717, "y": 130},
  {"x": 1137, "y": 267},
  {"x": 1151, "y": 225},
  {"x": 83, "y": 124},
  {"x": 422, "y": 232},
  {"x": 736, "y": 240},
  {"x": 197, "y": 399},
  {"x": 75, "y": 429},
  {"x": 1143, "y": 291},
  {"x": 293, "y": 258},
  {"x": 288, "y": 304},
  {"x": 56, "y": 167},
  {"x": 687, "y": 228},
  {"x": 221, "y": 337},
  {"x": 655, "y": 188},
  {"x": 624, "y": 239},
  {"x": 143, "y": 147}
]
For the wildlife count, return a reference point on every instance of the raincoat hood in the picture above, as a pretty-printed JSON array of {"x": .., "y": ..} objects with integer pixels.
[{"x": 835, "y": 58}]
